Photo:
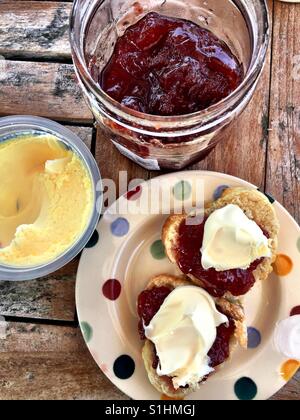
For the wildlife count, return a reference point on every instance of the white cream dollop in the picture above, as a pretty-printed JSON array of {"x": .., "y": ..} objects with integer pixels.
[
  {"x": 183, "y": 331},
  {"x": 232, "y": 240}
]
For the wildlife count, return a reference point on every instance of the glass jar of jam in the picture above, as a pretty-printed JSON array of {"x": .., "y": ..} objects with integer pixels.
[{"x": 166, "y": 78}]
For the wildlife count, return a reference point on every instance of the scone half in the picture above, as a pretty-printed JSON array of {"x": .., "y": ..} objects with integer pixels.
[
  {"x": 254, "y": 204},
  {"x": 234, "y": 310}
]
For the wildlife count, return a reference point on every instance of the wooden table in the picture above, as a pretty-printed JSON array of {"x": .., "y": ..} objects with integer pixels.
[{"x": 42, "y": 353}]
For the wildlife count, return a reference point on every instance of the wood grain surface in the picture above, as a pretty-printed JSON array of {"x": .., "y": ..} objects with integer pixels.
[
  {"x": 43, "y": 89},
  {"x": 84, "y": 133},
  {"x": 44, "y": 361},
  {"x": 48, "y": 298},
  {"x": 42, "y": 353},
  {"x": 283, "y": 169},
  {"x": 35, "y": 29}
]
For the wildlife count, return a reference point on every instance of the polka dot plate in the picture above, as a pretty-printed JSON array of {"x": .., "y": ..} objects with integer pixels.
[{"x": 126, "y": 251}]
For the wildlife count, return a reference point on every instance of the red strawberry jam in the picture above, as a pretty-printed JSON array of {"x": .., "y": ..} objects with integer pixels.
[
  {"x": 220, "y": 350},
  {"x": 169, "y": 66},
  {"x": 236, "y": 281},
  {"x": 149, "y": 303}
]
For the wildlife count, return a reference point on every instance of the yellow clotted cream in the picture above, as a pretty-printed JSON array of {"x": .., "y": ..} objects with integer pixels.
[
  {"x": 46, "y": 199},
  {"x": 231, "y": 240}
]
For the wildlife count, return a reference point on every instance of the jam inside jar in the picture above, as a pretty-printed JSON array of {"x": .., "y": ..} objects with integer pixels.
[
  {"x": 169, "y": 66},
  {"x": 183, "y": 117}
]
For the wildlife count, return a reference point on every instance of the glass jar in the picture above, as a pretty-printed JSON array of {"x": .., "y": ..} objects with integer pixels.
[{"x": 161, "y": 142}]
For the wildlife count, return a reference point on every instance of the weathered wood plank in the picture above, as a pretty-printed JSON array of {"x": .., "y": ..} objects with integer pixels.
[
  {"x": 47, "y": 298},
  {"x": 84, "y": 133},
  {"x": 44, "y": 89},
  {"x": 243, "y": 153},
  {"x": 283, "y": 167},
  {"x": 35, "y": 29},
  {"x": 50, "y": 362}
]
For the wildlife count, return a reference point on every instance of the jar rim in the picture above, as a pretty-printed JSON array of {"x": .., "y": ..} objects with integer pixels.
[{"x": 141, "y": 118}]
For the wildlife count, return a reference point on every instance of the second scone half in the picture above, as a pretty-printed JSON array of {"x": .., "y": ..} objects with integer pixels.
[
  {"x": 236, "y": 282},
  {"x": 173, "y": 328}
]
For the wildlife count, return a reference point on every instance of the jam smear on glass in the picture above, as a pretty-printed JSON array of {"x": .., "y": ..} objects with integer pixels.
[
  {"x": 168, "y": 66},
  {"x": 217, "y": 283},
  {"x": 149, "y": 303}
]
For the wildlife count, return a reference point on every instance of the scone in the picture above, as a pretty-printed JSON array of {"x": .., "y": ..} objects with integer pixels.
[
  {"x": 151, "y": 303},
  {"x": 183, "y": 243}
]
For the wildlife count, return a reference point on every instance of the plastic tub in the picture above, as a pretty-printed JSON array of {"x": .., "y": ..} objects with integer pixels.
[{"x": 12, "y": 127}]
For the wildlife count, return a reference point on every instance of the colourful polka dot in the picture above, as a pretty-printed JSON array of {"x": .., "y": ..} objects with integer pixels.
[
  {"x": 87, "y": 331},
  {"x": 167, "y": 398},
  {"x": 219, "y": 191},
  {"x": 298, "y": 244},
  {"x": 158, "y": 250},
  {"x": 254, "y": 338},
  {"x": 283, "y": 265},
  {"x": 295, "y": 311},
  {"x": 111, "y": 289},
  {"x": 182, "y": 190},
  {"x": 103, "y": 367},
  {"x": 289, "y": 368},
  {"x": 120, "y": 227},
  {"x": 134, "y": 194},
  {"x": 124, "y": 367},
  {"x": 245, "y": 389},
  {"x": 93, "y": 241}
]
